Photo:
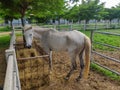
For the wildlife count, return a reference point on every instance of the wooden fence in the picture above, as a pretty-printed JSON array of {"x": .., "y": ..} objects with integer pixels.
[
  {"x": 12, "y": 81},
  {"x": 107, "y": 45}
]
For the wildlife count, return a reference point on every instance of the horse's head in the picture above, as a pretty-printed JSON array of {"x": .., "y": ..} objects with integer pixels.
[{"x": 28, "y": 35}]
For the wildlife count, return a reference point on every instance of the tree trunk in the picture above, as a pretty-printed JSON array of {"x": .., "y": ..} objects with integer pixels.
[
  {"x": 118, "y": 21},
  {"x": 95, "y": 24},
  {"x": 85, "y": 24},
  {"x": 11, "y": 25},
  {"x": 23, "y": 24},
  {"x": 110, "y": 23},
  {"x": 59, "y": 24}
]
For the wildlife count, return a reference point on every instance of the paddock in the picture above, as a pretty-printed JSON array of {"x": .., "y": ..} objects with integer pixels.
[{"x": 34, "y": 72}]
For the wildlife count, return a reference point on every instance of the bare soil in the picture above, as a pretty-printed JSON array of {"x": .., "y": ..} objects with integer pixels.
[
  {"x": 2, "y": 66},
  {"x": 106, "y": 62},
  {"x": 4, "y": 33},
  {"x": 34, "y": 74}
]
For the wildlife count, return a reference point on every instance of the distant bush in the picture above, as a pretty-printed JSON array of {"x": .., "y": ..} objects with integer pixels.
[{"x": 7, "y": 28}]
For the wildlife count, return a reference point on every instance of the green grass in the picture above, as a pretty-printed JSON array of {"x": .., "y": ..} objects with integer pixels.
[
  {"x": 18, "y": 34},
  {"x": 4, "y": 41},
  {"x": 4, "y": 29},
  {"x": 1, "y": 21},
  {"x": 106, "y": 39},
  {"x": 105, "y": 72}
]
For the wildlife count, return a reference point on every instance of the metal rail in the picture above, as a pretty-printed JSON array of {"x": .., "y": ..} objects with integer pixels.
[
  {"x": 108, "y": 33},
  {"x": 103, "y": 44},
  {"x": 109, "y": 58},
  {"x": 106, "y": 45},
  {"x": 106, "y": 67}
]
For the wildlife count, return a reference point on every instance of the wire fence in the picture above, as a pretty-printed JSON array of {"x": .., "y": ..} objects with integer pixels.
[{"x": 107, "y": 45}]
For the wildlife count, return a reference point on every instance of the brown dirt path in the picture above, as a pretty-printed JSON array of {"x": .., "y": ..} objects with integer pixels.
[
  {"x": 2, "y": 66},
  {"x": 4, "y": 33}
]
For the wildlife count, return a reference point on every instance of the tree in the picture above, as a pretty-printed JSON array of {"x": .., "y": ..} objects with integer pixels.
[
  {"x": 40, "y": 8},
  {"x": 8, "y": 14},
  {"x": 72, "y": 14},
  {"x": 111, "y": 14},
  {"x": 90, "y": 9},
  {"x": 118, "y": 12}
]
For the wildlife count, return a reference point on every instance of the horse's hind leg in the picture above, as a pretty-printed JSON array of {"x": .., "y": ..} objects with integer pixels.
[
  {"x": 81, "y": 65},
  {"x": 73, "y": 66}
]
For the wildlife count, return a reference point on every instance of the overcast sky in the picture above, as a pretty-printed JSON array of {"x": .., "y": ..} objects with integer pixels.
[{"x": 110, "y": 3}]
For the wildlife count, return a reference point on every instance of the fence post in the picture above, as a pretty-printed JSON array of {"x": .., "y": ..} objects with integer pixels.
[
  {"x": 12, "y": 81},
  {"x": 8, "y": 52},
  {"x": 91, "y": 39},
  {"x": 8, "y": 85}
]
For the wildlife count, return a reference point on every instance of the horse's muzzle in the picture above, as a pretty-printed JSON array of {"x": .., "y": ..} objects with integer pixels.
[{"x": 29, "y": 46}]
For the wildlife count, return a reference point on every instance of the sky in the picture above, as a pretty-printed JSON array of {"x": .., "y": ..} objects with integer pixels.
[{"x": 110, "y": 3}]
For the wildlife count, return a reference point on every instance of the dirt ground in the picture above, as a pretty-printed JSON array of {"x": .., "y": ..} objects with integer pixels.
[
  {"x": 106, "y": 62},
  {"x": 34, "y": 74},
  {"x": 2, "y": 66},
  {"x": 4, "y": 33}
]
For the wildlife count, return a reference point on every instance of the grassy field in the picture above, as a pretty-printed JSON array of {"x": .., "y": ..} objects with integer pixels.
[
  {"x": 5, "y": 29},
  {"x": 105, "y": 72},
  {"x": 106, "y": 39},
  {"x": 4, "y": 41}
]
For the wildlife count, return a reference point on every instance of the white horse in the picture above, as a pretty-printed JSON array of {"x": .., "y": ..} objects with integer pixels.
[{"x": 74, "y": 42}]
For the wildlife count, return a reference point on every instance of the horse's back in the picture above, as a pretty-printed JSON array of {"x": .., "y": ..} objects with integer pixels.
[{"x": 76, "y": 36}]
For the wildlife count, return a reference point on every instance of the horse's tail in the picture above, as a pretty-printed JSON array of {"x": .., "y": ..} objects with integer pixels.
[{"x": 87, "y": 56}]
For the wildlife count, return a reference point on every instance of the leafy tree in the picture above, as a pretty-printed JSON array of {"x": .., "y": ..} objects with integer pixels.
[
  {"x": 90, "y": 9},
  {"x": 8, "y": 14},
  {"x": 41, "y": 8},
  {"x": 112, "y": 13},
  {"x": 72, "y": 14},
  {"x": 118, "y": 12}
]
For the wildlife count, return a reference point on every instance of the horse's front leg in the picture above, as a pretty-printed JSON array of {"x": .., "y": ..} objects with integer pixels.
[
  {"x": 50, "y": 61},
  {"x": 73, "y": 67}
]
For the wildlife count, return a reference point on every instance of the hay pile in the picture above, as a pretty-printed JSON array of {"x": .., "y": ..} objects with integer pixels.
[{"x": 33, "y": 73}]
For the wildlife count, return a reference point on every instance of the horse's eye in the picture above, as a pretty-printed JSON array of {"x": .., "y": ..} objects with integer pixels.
[{"x": 30, "y": 34}]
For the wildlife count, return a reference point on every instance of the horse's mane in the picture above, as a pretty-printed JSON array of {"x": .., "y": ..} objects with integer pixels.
[
  {"x": 38, "y": 28},
  {"x": 27, "y": 27},
  {"x": 44, "y": 29}
]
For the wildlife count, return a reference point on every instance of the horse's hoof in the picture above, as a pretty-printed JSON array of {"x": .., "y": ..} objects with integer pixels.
[{"x": 78, "y": 79}]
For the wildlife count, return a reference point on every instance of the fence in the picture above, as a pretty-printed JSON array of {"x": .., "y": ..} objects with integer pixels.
[
  {"x": 83, "y": 26},
  {"x": 12, "y": 81},
  {"x": 107, "y": 45}
]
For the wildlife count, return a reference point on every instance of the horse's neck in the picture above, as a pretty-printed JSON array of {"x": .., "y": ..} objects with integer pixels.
[{"x": 38, "y": 34}]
